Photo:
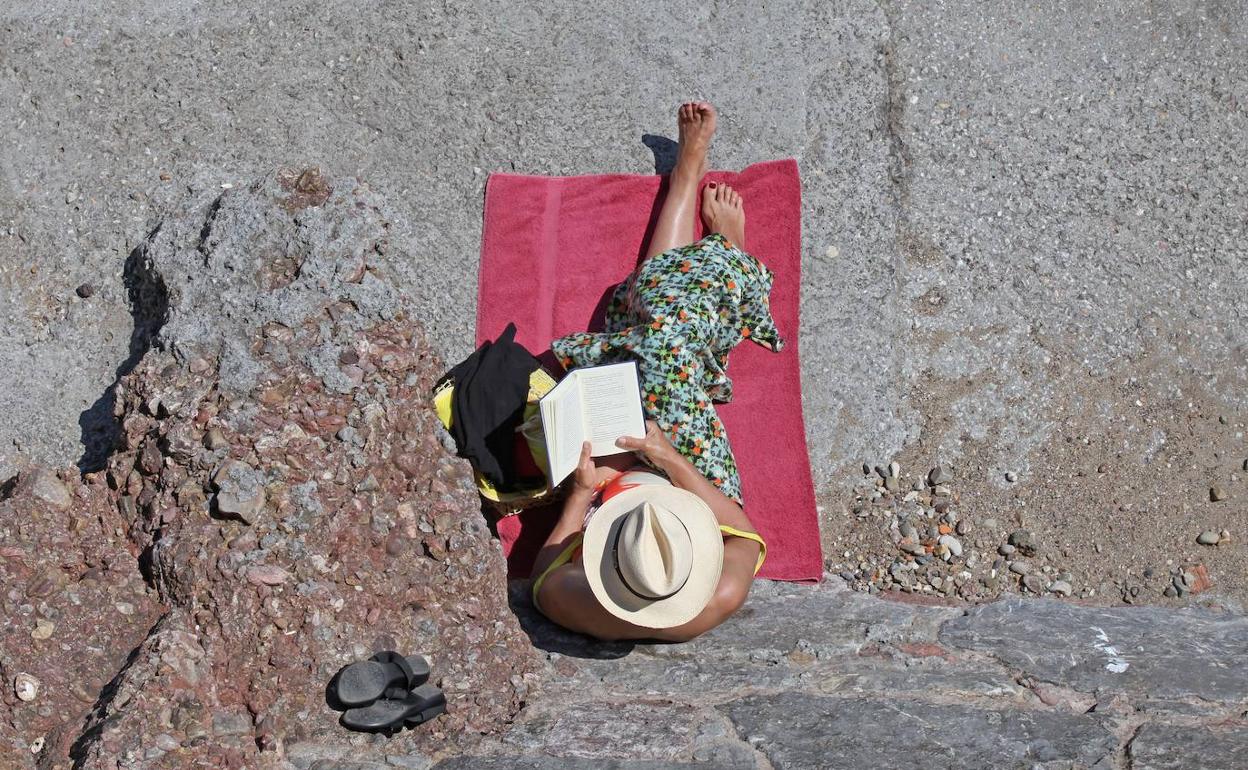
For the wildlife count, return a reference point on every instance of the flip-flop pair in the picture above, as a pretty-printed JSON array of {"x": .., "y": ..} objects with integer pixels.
[{"x": 386, "y": 692}]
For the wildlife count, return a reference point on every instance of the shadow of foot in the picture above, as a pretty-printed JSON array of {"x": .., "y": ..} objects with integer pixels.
[{"x": 664, "y": 150}]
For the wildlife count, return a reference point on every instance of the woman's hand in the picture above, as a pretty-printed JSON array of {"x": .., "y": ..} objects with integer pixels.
[
  {"x": 654, "y": 448},
  {"x": 588, "y": 474}
]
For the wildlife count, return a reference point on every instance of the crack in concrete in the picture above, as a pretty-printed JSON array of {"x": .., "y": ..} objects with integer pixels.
[
  {"x": 894, "y": 115},
  {"x": 95, "y": 720},
  {"x": 1122, "y": 757}
]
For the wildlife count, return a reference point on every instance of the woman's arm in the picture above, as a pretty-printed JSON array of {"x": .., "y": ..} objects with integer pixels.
[
  {"x": 659, "y": 451},
  {"x": 570, "y": 522},
  {"x": 572, "y": 519}
]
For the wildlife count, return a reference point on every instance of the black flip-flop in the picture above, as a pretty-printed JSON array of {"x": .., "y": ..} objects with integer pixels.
[
  {"x": 388, "y": 713},
  {"x": 365, "y": 681}
]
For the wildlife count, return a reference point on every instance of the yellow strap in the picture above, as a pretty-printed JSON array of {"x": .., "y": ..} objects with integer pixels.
[
  {"x": 762, "y": 547},
  {"x": 560, "y": 560}
]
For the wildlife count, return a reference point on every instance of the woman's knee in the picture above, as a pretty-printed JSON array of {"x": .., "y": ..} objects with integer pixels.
[{"x": 732, "y": 593}]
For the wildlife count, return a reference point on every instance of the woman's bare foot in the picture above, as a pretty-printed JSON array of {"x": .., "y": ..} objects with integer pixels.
[
  {"x": 678, "y": 217},
  {"x": 723, "y": 212},
  {"x": 696, "y": 124}
]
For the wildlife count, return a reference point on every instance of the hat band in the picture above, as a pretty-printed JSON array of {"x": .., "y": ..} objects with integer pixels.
[{"x": 615, "y": 558}]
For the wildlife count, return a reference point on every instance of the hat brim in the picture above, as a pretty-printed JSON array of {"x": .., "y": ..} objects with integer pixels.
[{"x": 604, "y": 579}]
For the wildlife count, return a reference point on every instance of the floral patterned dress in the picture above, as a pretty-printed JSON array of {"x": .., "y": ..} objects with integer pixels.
[{"x": 678, "y": 315}]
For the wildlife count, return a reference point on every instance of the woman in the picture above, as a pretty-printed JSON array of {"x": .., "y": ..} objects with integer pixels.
[{"x": 637, "y": 555}]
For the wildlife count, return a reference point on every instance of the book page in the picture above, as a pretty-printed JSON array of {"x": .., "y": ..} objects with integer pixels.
[
  {"x": 611, "y": 403},
  {"x": 564, "y": 427}
]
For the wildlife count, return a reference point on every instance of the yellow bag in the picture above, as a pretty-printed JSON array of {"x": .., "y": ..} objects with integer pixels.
[{"x": 512, "y": 502}]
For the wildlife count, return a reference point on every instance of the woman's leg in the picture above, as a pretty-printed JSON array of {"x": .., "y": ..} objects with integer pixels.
[{"x": 678, "y": 218}]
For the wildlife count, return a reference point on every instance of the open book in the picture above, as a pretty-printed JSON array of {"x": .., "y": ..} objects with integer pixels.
[{"x": 597, "y": 404}]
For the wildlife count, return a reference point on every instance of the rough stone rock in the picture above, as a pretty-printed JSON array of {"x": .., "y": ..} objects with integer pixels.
[
  {"x": 613, "y": 731},
  {"x": 1063, "y": 697},
  {"x": 1172, "y": 747},
  {"x": 252, "y": 301},
  {"x": 847, "y": 642},
  {"x": 799, "y": 731},
  {"x": 1142, "y": 652},
  {"x": 25, "y": 687},
  {"x": 569, "y": 763},
  {"x": 1061, "y": 587},
  {"x": 863, "y": 683}
]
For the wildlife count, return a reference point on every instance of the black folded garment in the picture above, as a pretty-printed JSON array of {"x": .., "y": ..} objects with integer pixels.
[{"x": 491, "y": 389}]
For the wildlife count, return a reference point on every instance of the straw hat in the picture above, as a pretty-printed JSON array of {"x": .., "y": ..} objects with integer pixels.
[{"x": 653, "y": 555}]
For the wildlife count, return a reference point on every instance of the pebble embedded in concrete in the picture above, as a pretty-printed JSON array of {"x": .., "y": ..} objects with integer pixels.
[
  {"x": 1061, "y": 588},
  {"x": 214, "y": 439},
  {"x": 25, "y": 687},
  {"x": 240, "y": 491},
  {"x": 1024, "y": 541},
  {"x": 952, "y": 543},
  {"x": 48, "y": 488}
]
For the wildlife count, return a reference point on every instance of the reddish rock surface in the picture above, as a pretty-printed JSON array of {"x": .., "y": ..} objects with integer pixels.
[
  {"x": 75, "y": 606},
  {"x": 278, "y": 505}
]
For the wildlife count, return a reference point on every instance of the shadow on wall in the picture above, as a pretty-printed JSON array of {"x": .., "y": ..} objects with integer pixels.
[{"x": 149, "y": 307}]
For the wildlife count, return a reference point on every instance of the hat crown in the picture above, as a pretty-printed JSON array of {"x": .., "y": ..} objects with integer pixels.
[{"x": 654, "y": 551}]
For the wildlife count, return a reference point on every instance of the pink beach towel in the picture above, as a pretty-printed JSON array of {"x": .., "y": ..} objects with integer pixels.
[{"x": 552, "y": 250}]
